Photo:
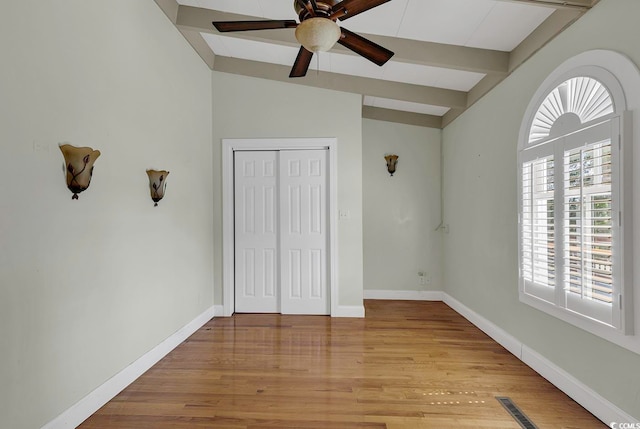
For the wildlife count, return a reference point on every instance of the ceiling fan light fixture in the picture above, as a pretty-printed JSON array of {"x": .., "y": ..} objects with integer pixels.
[{"x": 318, "y": 34}]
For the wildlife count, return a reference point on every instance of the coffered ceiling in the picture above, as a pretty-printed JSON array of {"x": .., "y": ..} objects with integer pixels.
[{"x": 448, "y": 53}]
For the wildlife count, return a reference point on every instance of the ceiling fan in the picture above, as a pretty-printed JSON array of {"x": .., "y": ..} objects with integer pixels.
[{"x": 318, "y": 30}]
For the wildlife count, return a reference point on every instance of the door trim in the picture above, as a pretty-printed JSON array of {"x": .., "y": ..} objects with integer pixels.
[{"x": 229, "y": 146}]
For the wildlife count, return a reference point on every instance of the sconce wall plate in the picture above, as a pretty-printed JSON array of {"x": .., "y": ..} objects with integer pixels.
[
  {"x": 392, "y": 161},
  {"x": 78, "y": 166},
  {"x": 157, "y": 184}
]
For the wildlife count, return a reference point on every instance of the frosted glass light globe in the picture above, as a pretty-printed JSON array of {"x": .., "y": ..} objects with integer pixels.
[{"x": 318, "y": 34}]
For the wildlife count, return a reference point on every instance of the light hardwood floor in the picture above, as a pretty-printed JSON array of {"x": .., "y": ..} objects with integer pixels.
[{"x": 408, "y": 364}]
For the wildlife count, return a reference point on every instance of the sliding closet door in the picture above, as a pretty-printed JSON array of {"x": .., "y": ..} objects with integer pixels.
[
  {"x": 281, "y": 234},
  {"x": 256, "y": 232},
  {"x": 303, "y": 232}
]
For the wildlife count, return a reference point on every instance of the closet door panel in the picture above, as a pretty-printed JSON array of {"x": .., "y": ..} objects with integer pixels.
[
  {"x": 303, "y": 232},
  {"x": 256, "y": 232}
]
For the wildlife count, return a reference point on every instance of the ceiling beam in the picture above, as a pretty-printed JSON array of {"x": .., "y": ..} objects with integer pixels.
[
  {"x": 406, "y": 51},
  {"x": 476, "y": 93},
  {"x": 200, "y": 45},
  {"x": 583, "y": 5},
  {"x": 170, "y": 8},
  {"x": 450, "y": 116},
  {"x": 345, "y": 83},
  {"x": 496, "y": 65},
  {"x": 194, "y": 38},
  {"x": 557, "y": 22},
  {"x": 400, "y": 117}
]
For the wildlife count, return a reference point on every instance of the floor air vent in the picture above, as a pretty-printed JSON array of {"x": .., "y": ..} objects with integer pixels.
[{"x": 516, "y": 413}]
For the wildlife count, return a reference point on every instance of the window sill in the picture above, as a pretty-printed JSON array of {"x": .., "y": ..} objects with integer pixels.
[{"x": 630, "y": 342}]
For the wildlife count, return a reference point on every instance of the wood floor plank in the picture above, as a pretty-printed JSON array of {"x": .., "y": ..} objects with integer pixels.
[{"x": 406, "y": 365}]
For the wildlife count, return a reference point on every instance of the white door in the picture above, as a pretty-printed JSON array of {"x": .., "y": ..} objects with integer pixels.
[
  {"x": 303, "y": 232},
  {"x": 281, "y": 232},
  {"x": 256, "y": 229}
]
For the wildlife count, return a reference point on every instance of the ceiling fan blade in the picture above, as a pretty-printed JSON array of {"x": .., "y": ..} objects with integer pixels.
[
  {"x": 365, "y": 47},
  {"x": 226, "y": 26},
  {"x": 348, "y": 8},
  {"x": 301, "y": 65}
]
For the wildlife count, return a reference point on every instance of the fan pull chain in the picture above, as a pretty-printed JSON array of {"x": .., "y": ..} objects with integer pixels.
[{"x": 318, "y": 64}]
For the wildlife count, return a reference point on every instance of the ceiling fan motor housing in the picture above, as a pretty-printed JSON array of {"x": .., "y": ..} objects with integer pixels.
[{"x": 323, "y": 9}]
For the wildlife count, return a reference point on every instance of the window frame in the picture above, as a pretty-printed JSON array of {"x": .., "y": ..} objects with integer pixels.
[{"x": 591, "y": 64}]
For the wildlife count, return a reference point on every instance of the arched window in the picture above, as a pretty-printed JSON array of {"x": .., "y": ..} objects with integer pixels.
[{"x": 573, "y": 188}]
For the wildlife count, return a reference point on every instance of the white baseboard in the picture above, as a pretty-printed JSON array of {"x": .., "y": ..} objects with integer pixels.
[
  {"x": 91, "y": 403},
  {"x": 498, "y": 334},
  {"x": 574, "y": 388},
  {"x": 349, "y": 311},
  {"x": 408, "y": 295},
  {"x": 218, "y": 311},
  {"x": 578, "y": 391}
]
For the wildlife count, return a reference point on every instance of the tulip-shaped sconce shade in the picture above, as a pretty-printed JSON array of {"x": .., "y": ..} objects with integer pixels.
[
  {"x": 78, "y": 166},
  {"x": 392, "y": 161},
  {"x": 157, "y": 184}
]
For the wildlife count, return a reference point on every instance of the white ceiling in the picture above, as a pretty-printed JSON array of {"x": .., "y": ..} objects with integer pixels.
[{"x": 488, "y": 25}]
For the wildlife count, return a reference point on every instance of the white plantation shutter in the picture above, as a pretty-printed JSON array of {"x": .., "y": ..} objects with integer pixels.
[
  {"x": 588, "y": 222},
  {"x": 591, "y": 223},
  {"x": 538, "y": 227},
  {"x": 585, "y": 97},
  {"x": 576, "y": 169},
  {"x": 569, "y": 222}
]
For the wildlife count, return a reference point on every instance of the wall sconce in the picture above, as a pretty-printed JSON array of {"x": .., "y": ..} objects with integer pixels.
[
  {"x": 78, "y": 166},
  {"x": 157, "y": 184},
  {"x": 392, "y": 161}
]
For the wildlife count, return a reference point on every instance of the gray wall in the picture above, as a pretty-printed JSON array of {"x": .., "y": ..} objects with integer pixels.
[
  {"x": 245, "y": 107},
  {"x": 401, "y": 213},
  {"x": 480, "y": 252},
  {"x": 88, "y": 286}
]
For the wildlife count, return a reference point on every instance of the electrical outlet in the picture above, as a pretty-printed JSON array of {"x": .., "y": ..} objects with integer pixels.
[{"x": 424, "y": 278}]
